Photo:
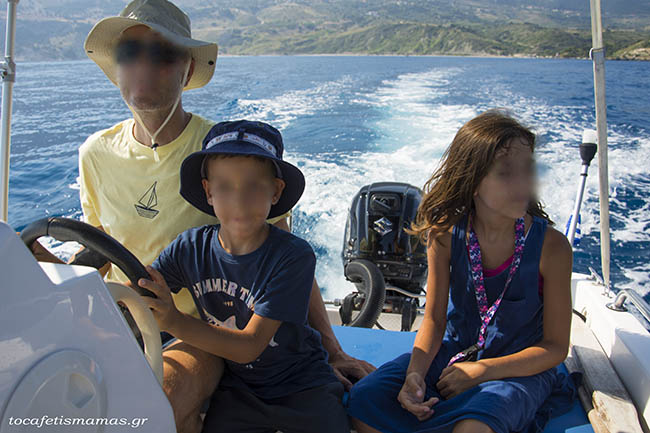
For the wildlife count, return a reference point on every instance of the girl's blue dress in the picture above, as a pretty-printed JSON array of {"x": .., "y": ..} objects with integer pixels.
[{"x": 522, "y": 404}]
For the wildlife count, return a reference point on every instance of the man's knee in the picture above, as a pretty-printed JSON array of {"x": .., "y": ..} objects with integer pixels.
[
  {"x": 188, "y": 363},
  {"x": 191, "y": 424},
  {"x": 190, "y": 376},
  {"x": 472, "y": 426}
]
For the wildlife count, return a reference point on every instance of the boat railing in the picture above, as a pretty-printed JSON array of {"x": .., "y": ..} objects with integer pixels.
[
  {"x": 618, "y": 304},
  {"x": 635, "y": 298}
]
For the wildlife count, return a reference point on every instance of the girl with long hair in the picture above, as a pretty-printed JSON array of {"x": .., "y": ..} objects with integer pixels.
[{"x": 498, "y": 307}]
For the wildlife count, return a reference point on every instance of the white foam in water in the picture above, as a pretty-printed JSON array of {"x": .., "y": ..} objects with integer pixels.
[
  {"x": 414, "y": 117},
  {"x": 76, "y": 185},
  {"x": 413, "y": 133},
  {"x": 410, "y": 117},
  {"x": 415, "y": 127},
  {"x": 626, "y": 167},
  {"x": 62, "y": 250},
  {"x": 286, "y": 108}
]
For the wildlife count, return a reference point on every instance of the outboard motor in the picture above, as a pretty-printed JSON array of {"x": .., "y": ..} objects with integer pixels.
[{"x": 387, "y": 265}]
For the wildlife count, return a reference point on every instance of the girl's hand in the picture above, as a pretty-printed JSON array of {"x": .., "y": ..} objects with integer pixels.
[
  {"x": 459, "y": 377},
  {"x": 162, "y": 307},
  {"x": 411, "y": 397}
]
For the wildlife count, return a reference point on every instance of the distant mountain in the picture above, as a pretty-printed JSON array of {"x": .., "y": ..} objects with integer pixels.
[{"x": 56, "y": 29}]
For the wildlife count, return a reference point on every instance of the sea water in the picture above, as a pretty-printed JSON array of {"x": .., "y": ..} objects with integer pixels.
[{"x": 350, "y": 120}]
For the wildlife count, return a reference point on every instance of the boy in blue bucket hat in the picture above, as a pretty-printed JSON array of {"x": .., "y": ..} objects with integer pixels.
[{"x": 251, "y": 283}]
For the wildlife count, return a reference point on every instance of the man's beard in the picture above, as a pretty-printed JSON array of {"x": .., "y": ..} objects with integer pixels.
[{"x": 147, "y": 105}]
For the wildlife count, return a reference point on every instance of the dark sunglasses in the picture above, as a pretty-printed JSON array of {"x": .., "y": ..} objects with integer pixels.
[{"x": 128, "y": 51}]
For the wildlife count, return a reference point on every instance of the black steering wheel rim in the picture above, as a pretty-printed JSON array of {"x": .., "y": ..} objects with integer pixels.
[{"x": 67, "y": 229}]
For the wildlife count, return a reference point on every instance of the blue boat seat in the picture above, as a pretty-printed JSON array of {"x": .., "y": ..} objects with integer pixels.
[{"x": 378, "y": 346}]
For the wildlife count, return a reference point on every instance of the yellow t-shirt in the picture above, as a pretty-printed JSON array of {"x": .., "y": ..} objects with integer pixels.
[{"x": 132, "y": 192}]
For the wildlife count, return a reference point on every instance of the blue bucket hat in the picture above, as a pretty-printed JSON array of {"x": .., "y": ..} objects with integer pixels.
[{"x": 245, "y": 138}]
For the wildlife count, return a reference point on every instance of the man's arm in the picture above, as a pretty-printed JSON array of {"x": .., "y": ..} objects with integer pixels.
[
  {"x": 84, "y": 256},
  {"x": 319, "y": 320},
  {"x": 343, "y": 364},
  {"x": 42, "y": 254}
]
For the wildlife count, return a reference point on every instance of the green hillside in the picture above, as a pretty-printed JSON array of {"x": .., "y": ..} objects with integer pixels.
[
  {"x": 427, "y": 39},
  {"x": 55, "y": 29}
]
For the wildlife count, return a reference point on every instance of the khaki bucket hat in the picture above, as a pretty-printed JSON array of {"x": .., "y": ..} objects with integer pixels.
[{"x": 162, "y": 17}]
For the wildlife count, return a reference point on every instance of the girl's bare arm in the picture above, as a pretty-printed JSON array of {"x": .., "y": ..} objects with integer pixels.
[{"x": 429, "y": 336}]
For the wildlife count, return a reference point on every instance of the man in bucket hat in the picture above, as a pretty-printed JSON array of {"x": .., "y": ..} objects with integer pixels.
[
  {"x": 129, "y": 184},
  {"x": 129, "y": 174},
  {"x": 252, "y": 282}
]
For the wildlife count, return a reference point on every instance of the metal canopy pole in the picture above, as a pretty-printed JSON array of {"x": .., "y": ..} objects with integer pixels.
[
  {"x": 8, "y": 75},
  {"x": 597, "y": 54}
]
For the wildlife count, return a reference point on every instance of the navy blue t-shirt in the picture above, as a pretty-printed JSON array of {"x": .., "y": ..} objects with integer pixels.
[{"x": 273, "y": 281}]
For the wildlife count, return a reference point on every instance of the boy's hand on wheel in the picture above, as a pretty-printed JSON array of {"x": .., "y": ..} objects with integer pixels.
[{"x": 162, "y": 306}]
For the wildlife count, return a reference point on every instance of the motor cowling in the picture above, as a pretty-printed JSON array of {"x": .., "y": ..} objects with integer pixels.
[
  {"x": 375, "y": 231},
  {"x": 380, "y": 257}
]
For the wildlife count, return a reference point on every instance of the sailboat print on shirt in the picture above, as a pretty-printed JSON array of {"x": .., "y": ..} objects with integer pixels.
[{"x": 147, "y": 203}]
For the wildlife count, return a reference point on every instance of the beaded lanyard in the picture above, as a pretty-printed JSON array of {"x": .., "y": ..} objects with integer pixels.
[{"x": 476, "y": 267}]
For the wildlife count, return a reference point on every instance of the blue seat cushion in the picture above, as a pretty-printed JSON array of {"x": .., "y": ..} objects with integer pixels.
[{"x": 377, "y": 347}]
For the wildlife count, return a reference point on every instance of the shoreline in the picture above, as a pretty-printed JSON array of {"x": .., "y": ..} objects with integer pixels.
[{"x": 476, "y": 56}]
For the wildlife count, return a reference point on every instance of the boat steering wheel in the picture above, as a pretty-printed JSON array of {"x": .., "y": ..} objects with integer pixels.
[{"x": 67, "y": 229}]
